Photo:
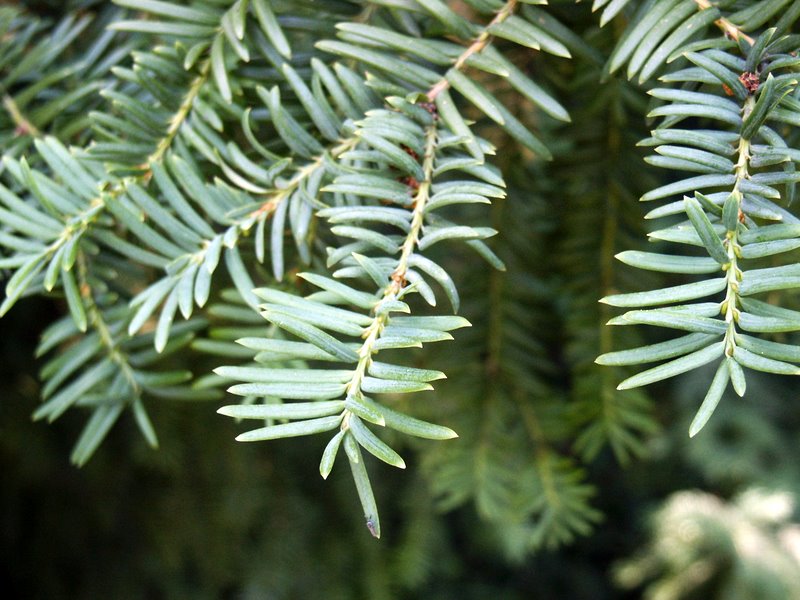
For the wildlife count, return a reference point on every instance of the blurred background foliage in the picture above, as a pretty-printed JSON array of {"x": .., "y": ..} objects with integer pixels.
[{"x": 203, "y": 517}]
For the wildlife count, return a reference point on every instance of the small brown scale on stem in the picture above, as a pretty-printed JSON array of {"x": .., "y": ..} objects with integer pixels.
[
  {"x": 409, "y": 181},
  {"x": 431, "y": 108},
  {"x": 750, "y": 81}
]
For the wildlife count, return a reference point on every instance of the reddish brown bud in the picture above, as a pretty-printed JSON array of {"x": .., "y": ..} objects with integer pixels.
[
  {"x": 409, "y": 181},
  {"x": 410, "y": 152},
  {"x": 750, "y": 82},
  {"x": 431, "y": 108}
]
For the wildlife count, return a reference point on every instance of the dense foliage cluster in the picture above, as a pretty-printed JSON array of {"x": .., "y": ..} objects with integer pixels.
[{"x": 284, "y": 201}]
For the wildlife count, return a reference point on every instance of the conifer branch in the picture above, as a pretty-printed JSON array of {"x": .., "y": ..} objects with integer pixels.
[
  {"x": 99, "y": 324},
  {"x": 397, "y": 281},
  {"x": 225, "y": 119},
  {"x": 730, "y": 30},
  {"x": 476, "y": 47},
  {"x": 734, "y": 274},
  {"x": 727, "y": 224},
  {"x": 302, "y": 174},
  {"x": 178, "y": 119}
]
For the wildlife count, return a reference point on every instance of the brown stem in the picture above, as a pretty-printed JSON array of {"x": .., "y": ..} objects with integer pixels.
[
  {"x": 23, "y": 125},
  {"x": 179, "y": 118},
  {"x": 731, "y": 30},
  {"x": 99, "y": 324},
  {"x": 475, "y": 47}
]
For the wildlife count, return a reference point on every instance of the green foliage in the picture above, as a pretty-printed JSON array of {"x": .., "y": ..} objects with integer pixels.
[
  {"x": 287, "y": 200},
  {"x": 733, "y": 212}
]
